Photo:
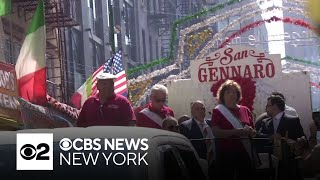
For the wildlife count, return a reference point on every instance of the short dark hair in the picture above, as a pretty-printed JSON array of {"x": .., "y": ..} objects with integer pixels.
[
  {"x": 168, "y": 119},
  {"x": 275, "y": 93},
  {"x": 278, "y": 101}
]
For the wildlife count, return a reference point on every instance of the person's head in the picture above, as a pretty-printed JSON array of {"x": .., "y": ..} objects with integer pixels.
[
  {"x": 275, "y": 105},
  {"x": 198, "y": 110},
  {"x": 158, "y": 96},
  {"x": 183, "y": 119},
  {"x": 170, "y": 124},
  {"x": 105, "y": 84},
  {"x": 316, "y": 118},
  {"x": 275, "y": 93},
  {"x": 229, "y": 93}
]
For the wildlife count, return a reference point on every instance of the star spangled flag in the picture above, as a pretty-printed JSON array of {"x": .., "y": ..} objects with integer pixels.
[{"x": 114, "y": 66}]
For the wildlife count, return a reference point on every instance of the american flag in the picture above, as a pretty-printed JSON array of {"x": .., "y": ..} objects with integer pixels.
[{"x": 114, "y": 66}]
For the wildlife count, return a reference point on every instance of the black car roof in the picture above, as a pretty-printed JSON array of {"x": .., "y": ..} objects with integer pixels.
[{"x": 9, "y": 137}]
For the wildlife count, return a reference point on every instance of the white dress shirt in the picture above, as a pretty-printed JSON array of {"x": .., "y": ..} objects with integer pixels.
[
  {"x": 202, "y": 126},
  {"x": 276, "y": 121},
  {"x": 209, "y": 134}
]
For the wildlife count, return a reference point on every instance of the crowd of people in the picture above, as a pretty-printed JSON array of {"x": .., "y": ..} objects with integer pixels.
[{"x": 230, "y": 141}]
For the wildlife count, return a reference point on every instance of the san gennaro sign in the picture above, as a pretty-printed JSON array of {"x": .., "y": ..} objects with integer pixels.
[{"x": 235, "y": 61}]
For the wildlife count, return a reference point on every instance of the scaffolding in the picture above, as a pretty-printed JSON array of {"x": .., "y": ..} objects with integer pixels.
[
  {"x": 169, "y": 11},
  {"x": 163, "y": 20},
  {"x": 56, "y": 20}
]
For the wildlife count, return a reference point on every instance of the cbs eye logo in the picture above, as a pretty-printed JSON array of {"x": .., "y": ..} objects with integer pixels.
[
  {"x": 34, "y": 151},
  {"x": 28, "y": 151},
  {"x": 65, "y": 144}
]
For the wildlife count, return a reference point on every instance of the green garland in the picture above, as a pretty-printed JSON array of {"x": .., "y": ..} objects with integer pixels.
[
  {"x": 173, "y": 38},
  {"x": 302, "y": 61},
  {"x": 147, "y": 66}
]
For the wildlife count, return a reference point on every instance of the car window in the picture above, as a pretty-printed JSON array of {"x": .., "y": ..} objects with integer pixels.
[
  {"x": 191, "y": 163},
  {"x": 173, "y": 168}
]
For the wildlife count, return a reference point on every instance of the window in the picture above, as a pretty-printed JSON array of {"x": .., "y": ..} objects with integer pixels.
[
  {"x": 92, "y": 15},
  {"x": 193, "y": 168},
  {"x": 107, "y": 12},
  {"x": 144, "y": 46},
  {"x": 129, "y": 21},
  {"x": 180, "y": 162},
  {"x": 98, "y": 31},
  {"x": 73, "y": 8},
  {"x": 171, "y": 165},
  {"x": 98, "y": 56},
  {"x": 157, "y": 50},
  {"x": 92, "y": 55},
  {"x": 148, "y": 6},
  {"x": 77, "y": 60},
  {"x": 150, "y": 48},
  {"x": 7, "y": 51},
  {"x": 154, "y": 6},
  {"x": 11, "y": 50}
]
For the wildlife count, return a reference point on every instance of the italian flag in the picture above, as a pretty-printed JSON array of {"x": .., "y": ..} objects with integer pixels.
[
  {"x": 31, "y": 65},
  {"x": 5, "y": 7},
  {"x": 82, "y": 94}
]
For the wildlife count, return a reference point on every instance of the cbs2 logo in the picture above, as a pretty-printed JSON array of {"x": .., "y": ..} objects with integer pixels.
[{"x": 28, "y": 151}]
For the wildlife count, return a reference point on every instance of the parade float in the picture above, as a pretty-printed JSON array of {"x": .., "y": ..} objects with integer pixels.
[
  {"x": 259, "y": 74},
  {"x": 263, "y": 45}
]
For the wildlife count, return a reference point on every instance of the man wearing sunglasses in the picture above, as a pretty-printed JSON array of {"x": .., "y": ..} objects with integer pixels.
[{"x": 152, "y": 116}]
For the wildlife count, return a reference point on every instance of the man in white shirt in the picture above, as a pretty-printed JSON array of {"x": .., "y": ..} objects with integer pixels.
[
  {"x": 288, "y": 110},
  {"x": 287, "y": 126}
]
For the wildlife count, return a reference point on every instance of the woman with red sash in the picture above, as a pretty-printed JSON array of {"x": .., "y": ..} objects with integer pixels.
[{"x": 232, "y": 124}]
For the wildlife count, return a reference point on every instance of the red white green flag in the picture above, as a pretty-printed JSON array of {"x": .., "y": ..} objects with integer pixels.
[{"x": 31, "y": 64}]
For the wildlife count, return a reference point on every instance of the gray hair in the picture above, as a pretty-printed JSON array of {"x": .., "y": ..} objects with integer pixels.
[{"x": 159, "y": 87}]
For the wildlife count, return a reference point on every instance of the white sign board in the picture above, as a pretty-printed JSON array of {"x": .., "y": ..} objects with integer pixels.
[
  {"x": 235, "y": 61},
  {"x": 247, "y": 62}
]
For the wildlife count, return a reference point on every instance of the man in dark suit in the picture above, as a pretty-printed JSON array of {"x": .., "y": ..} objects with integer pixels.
[
  {"x": 193, "y": 128},
  {"x": 279, "y": 122},
  {"x": 198, "y": 128},
  {"x": 288, "y": 110},
  {"x": 286, "y": 126}
]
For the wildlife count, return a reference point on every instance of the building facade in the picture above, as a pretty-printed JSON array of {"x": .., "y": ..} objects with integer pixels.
[
  {"x": 13, "y": 31},
  {"x": 86, "y": 45}
]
